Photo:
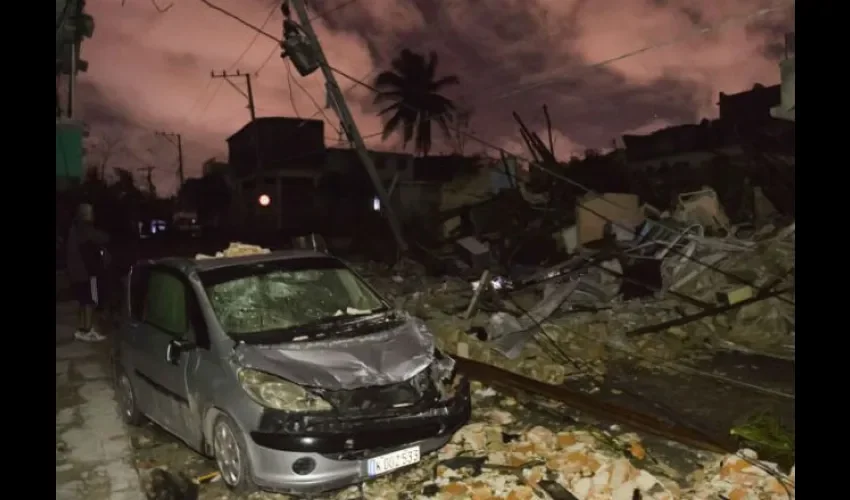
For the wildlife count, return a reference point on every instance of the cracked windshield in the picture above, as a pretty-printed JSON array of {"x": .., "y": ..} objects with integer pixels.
[{"x": 278, "y": 300}]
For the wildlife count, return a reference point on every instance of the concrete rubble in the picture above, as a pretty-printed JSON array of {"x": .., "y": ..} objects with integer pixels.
[
  {"x": 593, "y": 322},
  {"x": 501, "y": 455}
]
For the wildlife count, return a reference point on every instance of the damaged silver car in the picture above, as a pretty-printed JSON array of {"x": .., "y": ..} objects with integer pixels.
[{"x": 287, "y": 368}]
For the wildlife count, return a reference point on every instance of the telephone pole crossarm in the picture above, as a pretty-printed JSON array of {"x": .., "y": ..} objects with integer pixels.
[{"x": 248, "y": 95}]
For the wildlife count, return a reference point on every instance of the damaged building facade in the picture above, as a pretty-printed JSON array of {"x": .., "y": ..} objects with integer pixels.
[
  {"x": 287, "y": 179},
  {"x": 744, "y": 148}
]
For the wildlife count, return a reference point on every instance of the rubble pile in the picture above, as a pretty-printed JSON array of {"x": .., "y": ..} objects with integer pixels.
[
  {"x": 500, "y": 455},
  {"x": 235, "y": 249},
  {"x": 575, "y": 460},
  {"x": 743, "y": 477},
  {"x": 571, "y": 318}
]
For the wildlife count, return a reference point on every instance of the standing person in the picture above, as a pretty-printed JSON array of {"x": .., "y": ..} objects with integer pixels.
[{"x": 84, "y": 258}]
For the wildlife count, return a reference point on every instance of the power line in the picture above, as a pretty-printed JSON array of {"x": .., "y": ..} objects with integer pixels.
[
  {"x": 236, "y": 62},
  {"x": 555, "y": 75},
  {"x": 233, "y": 16},
  {"x": 254, "y": 40},
  {"x": 197, "y": 101},
  {"x": 584, "y": 188},
  {"x": 212, "y": 98},
  {"x": 259, "y": 30},
  {"x": 703, "y": 30},
  {"x": 268, "y": 58},
  {"x": 315, "y": 103},
  {"x": 556, "y": 175}
]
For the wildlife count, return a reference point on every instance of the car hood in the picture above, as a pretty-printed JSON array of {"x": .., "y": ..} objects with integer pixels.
[{"x": 386, "y": 357}]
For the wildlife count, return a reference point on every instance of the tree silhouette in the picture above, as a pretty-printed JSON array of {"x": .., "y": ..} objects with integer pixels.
[{"x": 413, "y": 88}]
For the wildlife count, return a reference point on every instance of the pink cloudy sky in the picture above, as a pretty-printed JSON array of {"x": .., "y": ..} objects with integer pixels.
[{"x": 151, "y": 71}]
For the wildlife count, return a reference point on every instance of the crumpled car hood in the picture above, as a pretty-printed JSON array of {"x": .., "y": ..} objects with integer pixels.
[{"x": 386, "y": 357}]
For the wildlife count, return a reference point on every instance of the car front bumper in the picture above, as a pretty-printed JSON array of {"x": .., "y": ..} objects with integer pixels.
[{"x": 341, "y": 448}]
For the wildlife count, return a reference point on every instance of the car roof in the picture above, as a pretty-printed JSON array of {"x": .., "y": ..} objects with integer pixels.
[{"x": 188, "y": 265}]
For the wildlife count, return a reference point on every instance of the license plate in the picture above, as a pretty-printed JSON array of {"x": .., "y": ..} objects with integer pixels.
[{"x": 393, "y": 461}]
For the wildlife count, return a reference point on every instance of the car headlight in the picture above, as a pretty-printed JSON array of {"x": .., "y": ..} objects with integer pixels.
[{"x": 276, "y": 393}]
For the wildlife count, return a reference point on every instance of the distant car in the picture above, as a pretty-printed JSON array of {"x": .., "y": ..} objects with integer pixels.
[{"x": 287, "y": 368}]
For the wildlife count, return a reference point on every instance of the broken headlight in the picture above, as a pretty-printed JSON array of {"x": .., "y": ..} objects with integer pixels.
[{"x": 276, "y": 393}]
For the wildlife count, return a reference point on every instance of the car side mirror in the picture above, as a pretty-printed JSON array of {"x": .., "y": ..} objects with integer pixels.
[{"x": 176, "y": 348}]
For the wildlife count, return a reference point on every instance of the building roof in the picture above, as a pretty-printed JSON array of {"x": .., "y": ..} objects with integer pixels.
[{"x": 265, "y": 121}]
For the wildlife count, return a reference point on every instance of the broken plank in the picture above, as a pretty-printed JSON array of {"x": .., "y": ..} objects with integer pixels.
[{"x": 507, "y": 380}]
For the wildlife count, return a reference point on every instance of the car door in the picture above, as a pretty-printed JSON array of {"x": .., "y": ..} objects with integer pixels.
[{"x": 164, "y": 350}]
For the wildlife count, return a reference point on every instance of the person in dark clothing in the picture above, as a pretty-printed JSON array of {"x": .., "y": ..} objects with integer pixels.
[{"x": 85, "y": 257}]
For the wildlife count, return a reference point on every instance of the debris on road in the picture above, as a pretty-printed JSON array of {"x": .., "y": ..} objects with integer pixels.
[{"x": 235, "y": 249}]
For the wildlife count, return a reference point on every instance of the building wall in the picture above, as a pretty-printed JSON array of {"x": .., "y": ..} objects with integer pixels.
[
  {"x": 751, "y": 106},
  {"x": 281, "y": 143},
  {"x": 330, "y": 188}
]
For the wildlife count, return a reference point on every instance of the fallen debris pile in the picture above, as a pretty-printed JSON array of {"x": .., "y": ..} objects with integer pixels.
[
  {"x": 669, "y": 294},
  {"x": 235, "y": 249},
  {"x": 501, "y": 455},
  {"x": 743, "y": 477}
]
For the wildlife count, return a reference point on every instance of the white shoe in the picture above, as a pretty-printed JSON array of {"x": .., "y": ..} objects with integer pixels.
[{"x": 89, "y": 336}]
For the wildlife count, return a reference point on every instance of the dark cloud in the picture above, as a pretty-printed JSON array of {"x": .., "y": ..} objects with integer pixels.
[
  {"x": 98, "y": 108},
  {"x": 151, "y": 71},
  {"x": 183, "y": 60}
]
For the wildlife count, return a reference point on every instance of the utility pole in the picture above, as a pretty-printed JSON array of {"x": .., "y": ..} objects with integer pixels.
[
  {"x": 177, "y": 140},
  {"x": 149, "y": 176},
  {"x": 249, "y": 95},
  {"x": 347, "y": 121}
]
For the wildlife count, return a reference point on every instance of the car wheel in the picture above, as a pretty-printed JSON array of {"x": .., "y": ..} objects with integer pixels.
[
  {"x": 127, "y": 399},
  {"x": 230, "y": 454}
]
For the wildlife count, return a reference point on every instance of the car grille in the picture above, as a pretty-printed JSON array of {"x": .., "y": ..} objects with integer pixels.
[{"x": 382, "y": 398}]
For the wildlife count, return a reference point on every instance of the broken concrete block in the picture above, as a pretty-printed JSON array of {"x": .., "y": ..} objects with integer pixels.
[
  {"x": 450, "y": 226},
  {"x": 702, "y": 207},
  {"x": 462, "y": 349},
  {"x": 594, "y": 213},
  {"x": 542, "y": 438},
  {"x": 737, "y": 295}
]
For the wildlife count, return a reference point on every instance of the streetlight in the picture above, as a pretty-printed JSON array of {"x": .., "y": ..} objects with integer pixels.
[{"x": 264, "y": 200}]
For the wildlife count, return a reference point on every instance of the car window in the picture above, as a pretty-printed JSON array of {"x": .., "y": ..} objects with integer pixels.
[
  {"x": 165, "y": 304},
  {"x": 138, "y": 292}
]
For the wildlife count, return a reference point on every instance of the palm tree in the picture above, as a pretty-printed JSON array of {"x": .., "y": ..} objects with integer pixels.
[{"x": 413, "y": 87}]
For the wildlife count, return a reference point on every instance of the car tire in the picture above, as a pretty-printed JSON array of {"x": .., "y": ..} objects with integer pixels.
[
  {"x": 227, "y": 442},
  {"x": 126, "y": 396}
]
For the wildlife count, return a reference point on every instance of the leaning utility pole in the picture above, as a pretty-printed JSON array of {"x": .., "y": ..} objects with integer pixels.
[
  {"x": 149, "y": 176},
  {"x": 177, "y": 140},
  {"x": 347, "y": 121},
  {"x": 249, "y": 95}
]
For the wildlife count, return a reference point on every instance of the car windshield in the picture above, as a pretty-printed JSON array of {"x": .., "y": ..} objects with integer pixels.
[{"x": 287, "y": 296}]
